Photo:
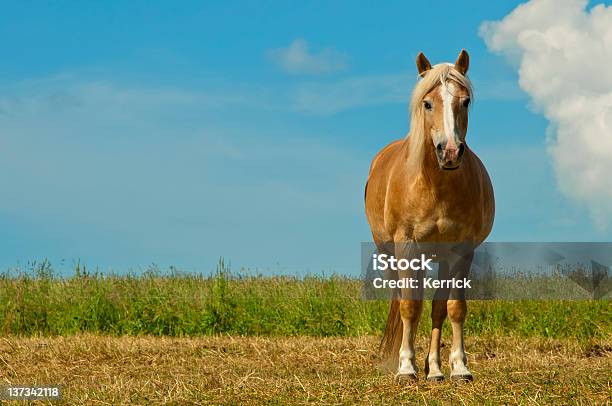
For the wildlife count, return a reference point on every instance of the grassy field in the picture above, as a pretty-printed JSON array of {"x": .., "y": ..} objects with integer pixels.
[
  {"x": 235, "y": 338},
  {"x": 238, "y": 304},
  {"x": 100, "y": 370}
]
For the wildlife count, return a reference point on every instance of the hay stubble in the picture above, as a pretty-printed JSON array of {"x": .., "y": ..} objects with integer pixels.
[{"x": 202, "y": 370}]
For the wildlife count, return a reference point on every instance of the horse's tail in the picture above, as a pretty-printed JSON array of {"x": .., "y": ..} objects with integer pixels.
[{"x": 392, "y": 337}]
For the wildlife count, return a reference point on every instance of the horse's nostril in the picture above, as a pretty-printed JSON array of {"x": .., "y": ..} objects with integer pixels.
[
  {"x": 461, "y": 149},
  {"x": 439, "y": 147}
]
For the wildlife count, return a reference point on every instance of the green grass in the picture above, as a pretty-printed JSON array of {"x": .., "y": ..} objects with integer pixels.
[{"x": 176, "y": 304}]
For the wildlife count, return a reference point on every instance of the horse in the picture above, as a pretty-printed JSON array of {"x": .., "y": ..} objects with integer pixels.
[{"x": 430, "y": 187}]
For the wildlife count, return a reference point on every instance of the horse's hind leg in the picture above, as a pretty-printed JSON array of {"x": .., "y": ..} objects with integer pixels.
[
  {"x": 438, "y": 314},
  {"x": 457, "y": 310}
]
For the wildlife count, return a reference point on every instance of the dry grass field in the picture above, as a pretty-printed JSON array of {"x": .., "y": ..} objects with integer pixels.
[{"x": 103, "y": 370}]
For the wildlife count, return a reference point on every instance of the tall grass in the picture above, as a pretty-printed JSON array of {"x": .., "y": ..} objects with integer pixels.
[{"x": 175, "y": 304}]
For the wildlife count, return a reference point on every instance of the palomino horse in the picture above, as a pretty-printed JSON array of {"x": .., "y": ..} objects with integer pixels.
[{"x": 430, "y": 187}]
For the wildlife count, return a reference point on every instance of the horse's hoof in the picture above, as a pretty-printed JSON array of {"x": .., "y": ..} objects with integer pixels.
[
  {"x": 435, "y": 378},
  {"x": 462, "y": 378},
  {"x": 406, "y": 378}
]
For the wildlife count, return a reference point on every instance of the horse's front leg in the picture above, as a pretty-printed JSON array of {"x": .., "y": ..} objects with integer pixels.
[
  {"x": 410, "y": 312},
  {"x": 411, "y": 305},
  {"x": 457, "y": 310}
]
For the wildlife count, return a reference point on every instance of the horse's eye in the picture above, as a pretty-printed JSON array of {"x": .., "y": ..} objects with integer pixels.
[
  {"x": 466, "y": 102},
  {"x": 427, "y": 105}
]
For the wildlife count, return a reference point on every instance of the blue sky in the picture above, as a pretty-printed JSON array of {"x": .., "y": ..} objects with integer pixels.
[{"x": 151, "y": 132}]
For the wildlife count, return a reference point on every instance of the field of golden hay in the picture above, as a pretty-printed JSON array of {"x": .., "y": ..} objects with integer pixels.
[{"x": 104, "y": 370}]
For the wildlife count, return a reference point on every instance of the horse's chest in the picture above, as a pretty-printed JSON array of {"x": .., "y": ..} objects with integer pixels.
[
  {"x": 442, "y": 228},
  {"x": 449, "y": 226}
]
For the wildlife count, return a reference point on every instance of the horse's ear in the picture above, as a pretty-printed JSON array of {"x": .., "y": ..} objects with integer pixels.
[
  {"x": 422, "y": 63},
  {"x": 463, "y": 62}
]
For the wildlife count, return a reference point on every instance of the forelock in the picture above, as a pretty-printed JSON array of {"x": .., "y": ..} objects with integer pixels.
[{"x": 439, "y": 74}]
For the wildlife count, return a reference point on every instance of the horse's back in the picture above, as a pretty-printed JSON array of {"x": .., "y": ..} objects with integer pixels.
[
  {"x": 376, "y": 188},
  {"x": 384, "y": 155},
  {"x": 487, "y": 198}
]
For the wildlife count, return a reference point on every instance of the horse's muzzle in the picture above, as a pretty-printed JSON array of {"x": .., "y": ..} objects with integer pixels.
[{"x": 450, "y": 157}]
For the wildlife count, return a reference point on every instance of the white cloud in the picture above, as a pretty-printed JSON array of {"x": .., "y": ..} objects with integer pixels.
[
  {"x": 563, "y": 53},
  {"x": 297, "y": 59}
]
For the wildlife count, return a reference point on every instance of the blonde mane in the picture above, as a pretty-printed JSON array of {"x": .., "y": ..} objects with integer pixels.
[{"x": 432, "y": 78}]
